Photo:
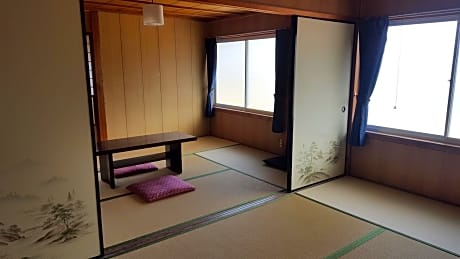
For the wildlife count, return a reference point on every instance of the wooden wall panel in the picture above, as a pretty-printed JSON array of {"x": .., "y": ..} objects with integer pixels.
[
  {"x": 250, "y": 129},
  {"x": 247, "y": 24},
  {"x": 184, "y": 75},
  {"x": 112, "y": 73},
  {"x": 201, "y": 124},
  {"x": 425, "y": 171},
  {"x": 151, "y": 78},
  {"x": 168, "y": 72},
  {"x": 132, "y": 71}
]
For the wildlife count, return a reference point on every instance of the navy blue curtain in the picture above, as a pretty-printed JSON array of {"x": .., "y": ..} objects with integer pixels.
[
  {"x": 284, "y": 55},
  {"x": 211, "y": 61},
  {"x": 372, "y": 39}
]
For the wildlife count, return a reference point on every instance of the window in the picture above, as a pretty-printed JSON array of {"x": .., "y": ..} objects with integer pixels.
[
  {"x": 246, "y": 74},
  {"x": 89, "y": 49},
  {"x": 415, "y": 89}
]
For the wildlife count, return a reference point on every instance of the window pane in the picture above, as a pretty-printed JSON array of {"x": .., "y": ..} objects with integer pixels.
[
  {"x": 454, "y": 131},
  {"x": 413, "y": 84},
  {"x": 230, "y": 73},
  {"x": 261, "y": 74}
]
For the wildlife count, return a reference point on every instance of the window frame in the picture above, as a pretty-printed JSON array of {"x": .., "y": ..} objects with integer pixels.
[
  {"x": 245, "y": 38},
  {"x": 420, "y": 136}
]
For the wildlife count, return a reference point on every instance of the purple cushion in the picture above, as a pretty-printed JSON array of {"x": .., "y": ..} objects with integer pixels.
[
  {"x": 160, "y": 188},
  {"x": 134, "y": 169}
]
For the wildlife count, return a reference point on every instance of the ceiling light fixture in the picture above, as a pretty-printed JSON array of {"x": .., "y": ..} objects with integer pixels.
[{"x": 153, "y": 14}]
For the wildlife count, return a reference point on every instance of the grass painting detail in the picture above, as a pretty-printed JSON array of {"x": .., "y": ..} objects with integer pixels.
[
  {"x": 63, "y": 221},
  {"x": 55, "y": 222},
  {"x": 313, "y": 162}
]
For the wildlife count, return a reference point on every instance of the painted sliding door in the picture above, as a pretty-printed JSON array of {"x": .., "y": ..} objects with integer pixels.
[
  {"x": 323, "y": 61},
  {"x": 47, "y": 181}
]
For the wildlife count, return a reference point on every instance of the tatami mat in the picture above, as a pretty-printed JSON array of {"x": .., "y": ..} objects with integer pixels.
[
  {"x": 429, "y": 221},
  {"x": 389, "y": 245},
  {"x": 206, "y": 143},
  {"x": 249, "y": 161},
  {"x": 128, "y": 217},
  {"x": 192, "y": 166},
  {"x": 291, "y": 227}
]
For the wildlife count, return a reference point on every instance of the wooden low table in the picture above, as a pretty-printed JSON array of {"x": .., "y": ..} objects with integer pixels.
[{"x": 173, "y": 152}]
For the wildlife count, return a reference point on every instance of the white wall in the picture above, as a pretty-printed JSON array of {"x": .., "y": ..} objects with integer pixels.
[{"x": 46, "y": 166}]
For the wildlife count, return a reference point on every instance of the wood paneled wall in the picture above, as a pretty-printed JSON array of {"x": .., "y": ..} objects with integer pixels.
[
  {"x": 253, "y": 130},
  {"x": 401, "y": 7},
  {"x": 432, "y": 172},
  {"x": 153, "y": 78}
]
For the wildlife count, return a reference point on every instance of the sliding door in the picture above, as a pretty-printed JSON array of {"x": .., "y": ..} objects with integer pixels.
[
  {"x": 48, "y": 205},
  {"x": 323, "y": 59}
]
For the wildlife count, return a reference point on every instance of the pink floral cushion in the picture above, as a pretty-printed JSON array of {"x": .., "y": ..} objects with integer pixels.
[
  {"x": 160, "y": 188},
  {"x": 134, "y": 169}
]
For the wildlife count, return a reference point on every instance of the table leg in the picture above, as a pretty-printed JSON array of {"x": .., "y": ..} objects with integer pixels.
[
  {"x": 174, "y": 157},
  {"x": 106, "y": 164}
]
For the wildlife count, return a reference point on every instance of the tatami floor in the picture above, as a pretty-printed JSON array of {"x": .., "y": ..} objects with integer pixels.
[{"x": 345, "y": 217}]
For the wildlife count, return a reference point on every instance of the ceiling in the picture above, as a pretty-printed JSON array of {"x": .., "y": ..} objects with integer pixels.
[{"x": 201, "y": 11}]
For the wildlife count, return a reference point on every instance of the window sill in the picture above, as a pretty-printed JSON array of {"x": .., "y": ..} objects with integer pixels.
[
  {"x": 246, "y": 113},
  {"x": 412, "y": 141}
]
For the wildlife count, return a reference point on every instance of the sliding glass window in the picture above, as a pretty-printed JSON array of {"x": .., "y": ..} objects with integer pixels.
[
  {"x": 415, "y": 91},
  {"x": 246, "y": 74}
]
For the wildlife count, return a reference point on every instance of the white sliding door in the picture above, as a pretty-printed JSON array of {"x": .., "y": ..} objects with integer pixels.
[
  {"x": 48, "y": 203},
  {"x": 323, "y": 59}
]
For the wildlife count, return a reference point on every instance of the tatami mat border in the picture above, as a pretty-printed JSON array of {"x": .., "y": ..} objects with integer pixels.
[
  {"x": 355, "y": 244},
  {"x": 376, "y": 224},
  {"x": 187, "y": 226},
  {"x": 115, "y": 197},
  {"x": 241, "y": 172},
  {"x": 209, "y": 149}
]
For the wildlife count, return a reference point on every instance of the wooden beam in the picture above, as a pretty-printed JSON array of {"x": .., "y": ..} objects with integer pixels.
[
  {"x": 332, "y": 9},
  {"x": 247, "y": 24},
  {"x": 408, "y": 7}
]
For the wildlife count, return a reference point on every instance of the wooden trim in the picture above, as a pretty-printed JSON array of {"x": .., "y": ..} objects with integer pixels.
[
  {"x": 247, "y": 25},
  {"x": 408, "y": 141},
  {"x": 403, "y": 9},
  {"x": 88, "y": 23},
  {"x": 354, "y": 79},
  {"x": 278, "y": 9},
  {"x": 99, "y": 84},
  {"x": 249, "y": 114},
  {"x": 93, "y": 134},
  {"x": 290, "y": 109}
]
